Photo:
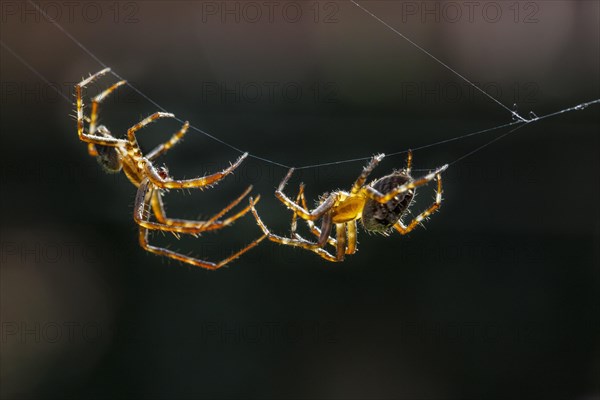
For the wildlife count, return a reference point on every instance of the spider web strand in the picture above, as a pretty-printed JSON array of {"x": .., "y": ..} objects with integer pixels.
[
  {"x": 139, "y": 92},
  {"x": 397, "y": 32},
  {"x": 42, "y": 77},
  {"x": 520, "y": 120}
]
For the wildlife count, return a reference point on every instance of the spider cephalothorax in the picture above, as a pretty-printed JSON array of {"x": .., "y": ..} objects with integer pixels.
[
  {"x": 116, "y": 154},
  {"x": 380, "y": 206}
]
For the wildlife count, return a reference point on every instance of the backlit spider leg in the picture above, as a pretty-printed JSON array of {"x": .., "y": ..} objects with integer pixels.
[
  {"x": 351, "y": 234},
  {"x": 360, "y": 182},
  {"x": 164, "y": 147},
  {"x": 210, "y": 224},
  {"x": 88, "y": 137},
  {"x": 384, "y": 198},
  {"x": 294, "y": 224},
  {"x": 326, "y": 224},
  {"x": 399, "y": 226},
  {"x": 409, "y": 158},
  {"x": 168, "y": 182},
  {"x": 340, "y": 232},
  {"x": 131, "y": 131},
  {"x": 93, "y": 120},
  {"x": 141, "y": 214},
  {"x": 298, "y": 242},
  {"x": 96, "y": 101},
  {"x": 317, "y": 213},
  {"x": 176, "y": 225},
  {"x": 143, "y": 239},
  {"x": 311, "y": 225}
]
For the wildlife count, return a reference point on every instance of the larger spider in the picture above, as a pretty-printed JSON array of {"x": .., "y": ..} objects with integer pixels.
[
  {"x": 115, "y": 154},
  {"x": 379, "y": 206}
]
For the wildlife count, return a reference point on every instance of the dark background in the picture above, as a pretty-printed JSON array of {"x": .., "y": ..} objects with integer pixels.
[{"x": 496, "y": 297}]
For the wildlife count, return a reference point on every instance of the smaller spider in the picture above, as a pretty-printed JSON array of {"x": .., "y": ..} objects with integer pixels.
[
  {"x": 115, "y": 154},
  {"x": 379, "y": 206}
]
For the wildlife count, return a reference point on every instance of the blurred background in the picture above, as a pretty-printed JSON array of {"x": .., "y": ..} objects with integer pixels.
[{"x": 495, "y": 297}]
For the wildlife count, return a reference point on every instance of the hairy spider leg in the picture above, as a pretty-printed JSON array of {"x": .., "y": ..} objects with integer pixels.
[
  {"x": 177, "y": 226},
  {"x": 340, "y": 233},
  {"x": 399, "y": 226},
  {"x": 298, "y": 242},
  {"x": 384, "y": 198},
  {"x": 136, "y": 167},
  {"x": 164, "y": 147},
  {"x": 141, "y": 211},
  {"x": 93, "y": 120},
  {"x": 323, "y": 210},
  {"x": 360, "y": 182},
  {"x": 158, "y": 205},
  {"x": 96, "y": 102},
  {"x": 167, "y": 182},
  {"x": 311, "y": 225},
  {"x": 346, "y": 232},
  {"x": 303, "y": 213},
  {"x": 409, "y": 157},
  {"x": 200, "y": 183},
  {"x": 352, "y": 237},
  {"x": 190, "y": 226},
  {"x": 89, "y": 137}
]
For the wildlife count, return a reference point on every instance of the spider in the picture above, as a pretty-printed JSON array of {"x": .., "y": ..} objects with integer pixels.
[
  {"x": 115, "y": 154},
  {"x": 379, "y": 206}
]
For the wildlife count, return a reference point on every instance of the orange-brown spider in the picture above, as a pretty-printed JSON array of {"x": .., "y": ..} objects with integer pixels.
[
  {"x": 115, "y": 154},
  {"x": 379, "y": 206}
]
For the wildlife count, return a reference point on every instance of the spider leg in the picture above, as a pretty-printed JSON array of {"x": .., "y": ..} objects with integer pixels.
[
  {"x": 311, "y": 225},
  {"x": 297, "y": 209},
  {"x": 141, "y": 209},
  {"x": 141, "y": 214},
  {"x": 351, "y": 234},
  {"x": 297, "y": 242},
  {"x": 399, "y": 226},
  {"x": 164, "y": 147},
  {"x": 96, "y": 101},
  {"x": 131, "y": 131},
  {"x": 211, "y": 224},
  {"x": 299, "y": 198},
  {"x": 340, "y": 233},
  {"x": 323, "y": 237},
  {"x": 143, "y": 237},
  {"x": 170, "y": 183},
  {"x": 384, "y": 198},
  {"x": 93, "y": 120},
  {"x": 360, "y": 182},
  {"x": 409, "y": 158},
  {"x": 90, "y": 137}
]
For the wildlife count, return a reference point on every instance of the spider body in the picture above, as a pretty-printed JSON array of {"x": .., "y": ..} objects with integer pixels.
[
  {"x": 109, "y": 159},
  {"x": 116, "y": 154},
  {"x": 379, "y": 206},
  {"x": 381, "y": 217}
]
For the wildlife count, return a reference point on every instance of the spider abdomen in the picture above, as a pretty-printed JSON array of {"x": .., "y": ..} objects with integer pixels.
[
  {"x": 108, "y": 158},
  {"x": 378, "y": 217}
]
